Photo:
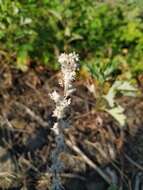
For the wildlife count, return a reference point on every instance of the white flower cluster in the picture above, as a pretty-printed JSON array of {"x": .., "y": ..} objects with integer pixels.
[
  {"x": 55, "y": 96},
  {"x": 68, "y": 67},
  {"x": 59, "y": 112}
]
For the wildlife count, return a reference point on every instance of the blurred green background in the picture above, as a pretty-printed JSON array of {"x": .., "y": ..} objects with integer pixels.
[{"x": 108, "y": 35}]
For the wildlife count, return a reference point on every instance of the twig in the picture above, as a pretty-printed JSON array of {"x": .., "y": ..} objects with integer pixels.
[
  {"x": 37, "y": 118},
  {"x": 88, "y": 161},
  {"x": 133, "y": 162},
  {"x": 67, "y": 175},
  {"x": 104, "y": 155}
]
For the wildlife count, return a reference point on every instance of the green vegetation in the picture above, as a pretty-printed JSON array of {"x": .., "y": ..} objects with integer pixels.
[{"x": 108, "y": 36}]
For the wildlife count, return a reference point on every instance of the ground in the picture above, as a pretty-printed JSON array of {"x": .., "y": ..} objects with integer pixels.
[{"x": 97, "y": 149}]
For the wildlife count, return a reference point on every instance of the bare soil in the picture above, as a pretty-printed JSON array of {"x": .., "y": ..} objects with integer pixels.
[{"x": 27, "y": 141}]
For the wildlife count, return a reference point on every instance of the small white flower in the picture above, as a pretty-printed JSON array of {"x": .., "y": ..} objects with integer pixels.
[
  {"x": 62, "y": 58},
  {"x": 55, "y": 128},
  {"x": 59, "y": 111},
  {"x": 55, "y": 96}
]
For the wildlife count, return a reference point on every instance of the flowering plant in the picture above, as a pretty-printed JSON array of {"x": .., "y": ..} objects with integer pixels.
[{"x": 68, "y": 64}]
